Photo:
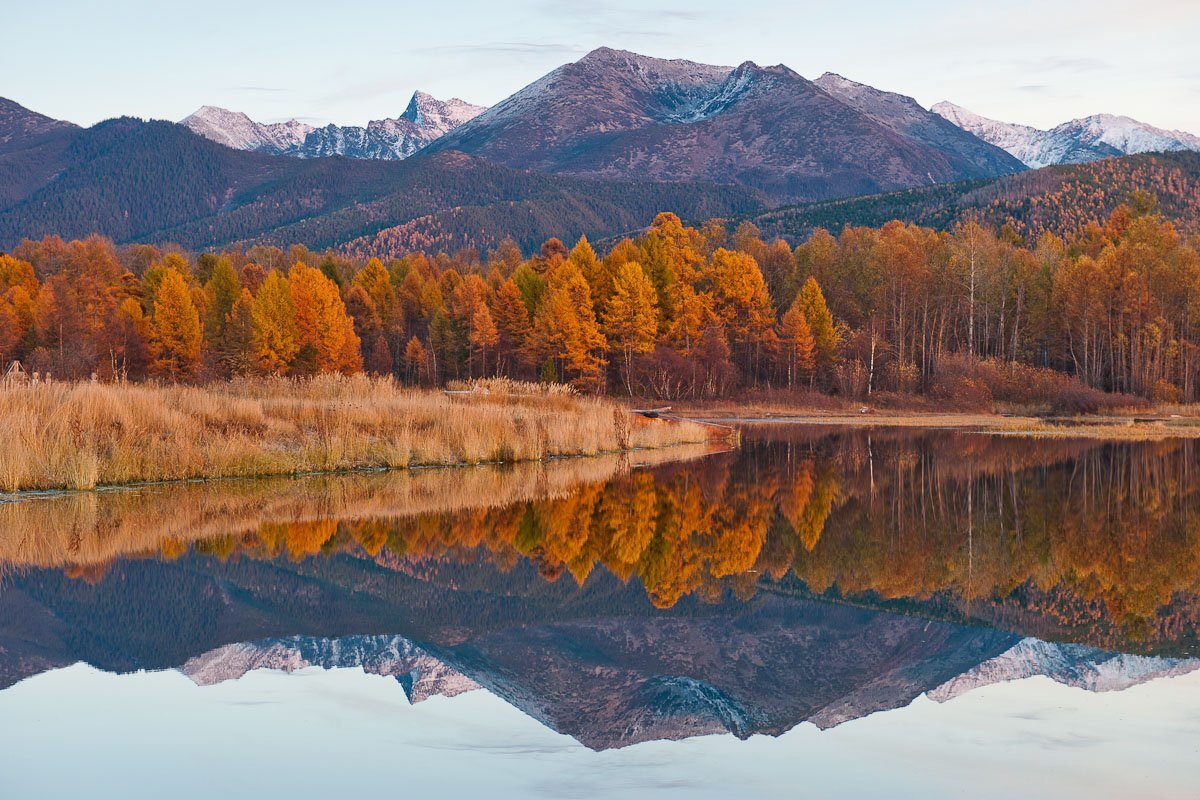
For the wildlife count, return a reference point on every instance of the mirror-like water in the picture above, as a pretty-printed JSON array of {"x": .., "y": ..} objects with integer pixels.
[{"x": 832, "y": 589}]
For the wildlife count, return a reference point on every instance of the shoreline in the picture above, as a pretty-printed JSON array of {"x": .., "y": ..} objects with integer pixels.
[
  {"x": 684, "y": 450},
  {"x": 1111, "y": 427}
]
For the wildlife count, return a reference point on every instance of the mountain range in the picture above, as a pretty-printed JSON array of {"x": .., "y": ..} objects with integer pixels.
[{"x": 595, "y": 147}]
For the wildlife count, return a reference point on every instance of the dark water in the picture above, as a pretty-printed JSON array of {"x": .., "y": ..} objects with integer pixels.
[{"x": 810, "y": 585}]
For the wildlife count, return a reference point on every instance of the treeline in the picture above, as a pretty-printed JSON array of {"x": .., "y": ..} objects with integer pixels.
[{"x": 677, "y": 312}]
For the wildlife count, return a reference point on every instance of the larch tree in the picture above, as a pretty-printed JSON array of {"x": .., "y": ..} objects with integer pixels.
[
  {"x": 826, "y": 338},
  {"x": 631, "y": 318},
  {"x": 743, "y": 304},
  {"x": 276, "y": 336},
  {"x": 221, "y": 293},
  {"x": 565, "y": 330},
  {"x": 175, "y": 329},
  {"x": 511, "y": 316},
  {"x": 416, "y": 360},
  {"x": 484, "y": 334},
  {"x": 322, "y": 323},
  {"x": 798, "y": 345}
]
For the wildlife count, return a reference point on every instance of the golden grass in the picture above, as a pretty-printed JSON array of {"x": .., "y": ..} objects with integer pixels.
[
  {"x": 88, "y": 529},
  {"x": 84, "y": 435}
]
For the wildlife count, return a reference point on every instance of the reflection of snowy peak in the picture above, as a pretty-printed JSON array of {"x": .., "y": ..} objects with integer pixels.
[
  {"x": 1073, "y": 142},
  {"x": 421, "y": 675},
  {"x": 1069, "y": 664},
  {"x": 426, "y": 118}
]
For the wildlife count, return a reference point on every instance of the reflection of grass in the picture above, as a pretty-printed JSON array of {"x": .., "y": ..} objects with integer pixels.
[
  {"x": 83, "y": 435},
  {"x": 82, "y": 529}
]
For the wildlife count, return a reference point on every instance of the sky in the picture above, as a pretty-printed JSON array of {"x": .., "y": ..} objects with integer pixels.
[{"x": 1037, "y": 62}]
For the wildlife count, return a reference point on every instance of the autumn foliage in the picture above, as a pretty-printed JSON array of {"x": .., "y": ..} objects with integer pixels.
[{"x": 676, "y": 312}]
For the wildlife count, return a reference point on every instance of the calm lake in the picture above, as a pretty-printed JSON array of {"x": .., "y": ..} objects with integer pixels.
[{"x": 864, "y": 613}]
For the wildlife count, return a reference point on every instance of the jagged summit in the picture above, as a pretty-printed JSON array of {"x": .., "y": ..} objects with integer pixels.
[
  {"x": 425, "y": 119},
  {"x": 426, "y": 111}
]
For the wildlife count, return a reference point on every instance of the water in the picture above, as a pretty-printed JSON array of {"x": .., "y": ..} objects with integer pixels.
[{"x": 864, "y": 613}]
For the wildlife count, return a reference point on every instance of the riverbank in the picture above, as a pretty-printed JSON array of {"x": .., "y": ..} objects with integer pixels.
[
  {"x": 1135, "y": 425},
  {"x": 86, "y": 435},
  {"x": 1140, "y": 423}
]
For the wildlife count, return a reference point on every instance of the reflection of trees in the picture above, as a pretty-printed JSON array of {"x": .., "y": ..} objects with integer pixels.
[{"x": 1074, "y": 534}]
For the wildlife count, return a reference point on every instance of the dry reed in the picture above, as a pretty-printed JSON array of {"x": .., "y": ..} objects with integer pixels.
[{"x": 84, "y": 435}]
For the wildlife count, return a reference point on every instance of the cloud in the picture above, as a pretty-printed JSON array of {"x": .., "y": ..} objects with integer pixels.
[
  {"x": 1033, "y": 88},
  {"x": 258, "y": 89}
]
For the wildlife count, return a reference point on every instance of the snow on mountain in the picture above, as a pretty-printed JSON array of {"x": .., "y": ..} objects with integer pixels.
[
  {"x": 1127, "y": 135},
  {"x": 426, "y": 118},
  {"x": 235, "y": 129},
  {"x": 617, "y": 114},
  {"x": 1072, "y": 142},
  {"x": 1069, "y": 664},
  {"x": 421, "y": 675}
]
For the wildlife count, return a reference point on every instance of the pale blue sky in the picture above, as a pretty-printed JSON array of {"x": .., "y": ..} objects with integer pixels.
[{"x": 1034, "y": 61}]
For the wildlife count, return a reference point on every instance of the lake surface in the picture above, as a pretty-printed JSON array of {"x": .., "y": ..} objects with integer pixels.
[{"x": 831, "y": 613}]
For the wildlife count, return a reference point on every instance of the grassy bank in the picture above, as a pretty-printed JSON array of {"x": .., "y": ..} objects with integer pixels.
[{"x": 84, "y": 435}]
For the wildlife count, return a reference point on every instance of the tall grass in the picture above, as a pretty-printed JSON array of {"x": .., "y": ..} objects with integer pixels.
[{"x": 84, "y": 435}]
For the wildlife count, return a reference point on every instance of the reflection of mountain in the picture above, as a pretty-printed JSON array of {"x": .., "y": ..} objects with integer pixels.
[
  {"x": 1069, "y": 664},
  {"x": 597, "y": 662}
]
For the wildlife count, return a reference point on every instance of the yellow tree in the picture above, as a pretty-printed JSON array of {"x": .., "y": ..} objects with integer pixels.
[
  {"x": 275, "y": 335},
  {"x": 176, "y": 334},
  {"x": 484, "y": 334},
  {"x": 631, "y": 318},
  {"x": 322, "y": 325},
  {"x": 798, "y": 343},
  {"x": 826, "y": 338},
  {"x": 565, "y": 328},
  {"x": 742, "y": 303},
  {"x": 18, "y": 304}
]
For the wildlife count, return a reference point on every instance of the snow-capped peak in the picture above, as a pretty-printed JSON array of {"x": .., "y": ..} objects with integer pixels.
[
  {"x": 430, "y": 114},
  {"x": 1072, "y": 142},
  {"x": 235, "y": 129},
  {"x": 1128, "y": 135}
]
